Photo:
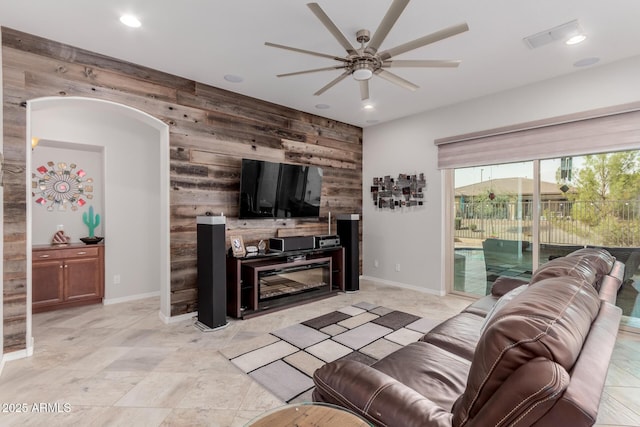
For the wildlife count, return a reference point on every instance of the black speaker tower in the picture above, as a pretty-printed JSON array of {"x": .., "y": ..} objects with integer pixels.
[
  {"x": 212, "y": 272},
  {"x": 349, "y": 233}
]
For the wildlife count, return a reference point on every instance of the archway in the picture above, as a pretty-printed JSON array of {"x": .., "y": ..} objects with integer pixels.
[{"x": 136, "y": 191}]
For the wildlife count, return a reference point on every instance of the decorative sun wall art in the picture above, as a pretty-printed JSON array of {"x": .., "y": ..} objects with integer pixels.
[
  {"x": 405, "y": 191},
  {"x": 61, "y": 186}
]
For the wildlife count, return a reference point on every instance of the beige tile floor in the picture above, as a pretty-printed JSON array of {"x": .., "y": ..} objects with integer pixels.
[{"x": 120, "y": 365}]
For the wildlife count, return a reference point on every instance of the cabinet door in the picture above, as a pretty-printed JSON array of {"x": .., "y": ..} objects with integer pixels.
[
  {"x": 83, "y": 278},
  {"x": 47, "y": 283}
]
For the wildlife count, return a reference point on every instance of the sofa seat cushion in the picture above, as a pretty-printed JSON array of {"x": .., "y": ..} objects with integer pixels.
[
  {"x": 429, "y": 370},
  {"x": 458, "y": 335},
  {"x": 549, "y": 320}
]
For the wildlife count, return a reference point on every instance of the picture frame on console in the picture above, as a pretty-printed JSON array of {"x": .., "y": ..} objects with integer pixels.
[{"x": 237, "y": 246}]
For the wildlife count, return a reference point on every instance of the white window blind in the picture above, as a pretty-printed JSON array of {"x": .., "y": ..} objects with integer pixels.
[{"x": 604, "y": 130}]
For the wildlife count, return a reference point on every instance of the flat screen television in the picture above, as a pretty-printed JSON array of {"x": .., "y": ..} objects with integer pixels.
[{"x": 279, "y": 190}]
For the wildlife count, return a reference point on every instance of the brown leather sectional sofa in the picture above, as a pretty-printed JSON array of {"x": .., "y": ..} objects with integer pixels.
[{"x": 528, "y": 354}]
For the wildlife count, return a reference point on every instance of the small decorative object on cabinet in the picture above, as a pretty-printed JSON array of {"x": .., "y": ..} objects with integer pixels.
[
  {"x": 237, "y": 246},
  {"x": 67, "y": 276},
  {"x": 59, "y": 238},
  {"x": 91, "y": 221}
]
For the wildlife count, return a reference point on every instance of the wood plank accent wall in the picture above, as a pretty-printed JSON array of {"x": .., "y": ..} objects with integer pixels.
[{"x": 211, "y": 130}]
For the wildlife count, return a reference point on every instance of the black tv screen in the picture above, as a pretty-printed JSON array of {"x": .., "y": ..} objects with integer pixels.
[{"x": 279, "y": 190}]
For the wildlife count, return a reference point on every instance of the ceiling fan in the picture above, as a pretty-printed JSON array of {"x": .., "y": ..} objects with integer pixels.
[{"x": 366, "y": 61}]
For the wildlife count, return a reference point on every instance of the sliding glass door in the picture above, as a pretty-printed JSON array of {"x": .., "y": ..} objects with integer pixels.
[
  {"x": 569, "y": 203},
  {"x": 493, "y": 208},
  {"x": 600, "y": 207}
]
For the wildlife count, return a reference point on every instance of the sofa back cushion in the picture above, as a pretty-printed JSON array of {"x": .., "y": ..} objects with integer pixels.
[
  {"x": 566, "y": 267},
  {"x": 601, "y": 260},
  {"x": 601, "y": 257},
  {"x": 549, "y": 320}
]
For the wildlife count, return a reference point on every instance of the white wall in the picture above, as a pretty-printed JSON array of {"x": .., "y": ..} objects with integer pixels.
[
  {"x": 87, "y": 158},
  {"x": 414, "y": 239},
  {"x": 131, "y": 190}
]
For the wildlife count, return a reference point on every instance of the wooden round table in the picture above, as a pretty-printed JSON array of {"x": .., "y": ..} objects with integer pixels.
[{"x": 309, "y": 415}]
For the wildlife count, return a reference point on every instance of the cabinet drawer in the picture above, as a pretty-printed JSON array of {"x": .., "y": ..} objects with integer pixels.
[
  {"x": 46, "y": 255},
  {"x": 78, "y": 252}
]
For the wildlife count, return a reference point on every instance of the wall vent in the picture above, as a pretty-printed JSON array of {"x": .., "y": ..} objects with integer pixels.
[{"x": 561, "y": 32}]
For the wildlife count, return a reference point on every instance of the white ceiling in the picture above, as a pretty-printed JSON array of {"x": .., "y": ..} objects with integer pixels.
[{"x": 205, "y": 40}]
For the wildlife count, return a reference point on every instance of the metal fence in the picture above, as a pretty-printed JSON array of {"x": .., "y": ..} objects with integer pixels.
[{"x": 609, "y": 223}]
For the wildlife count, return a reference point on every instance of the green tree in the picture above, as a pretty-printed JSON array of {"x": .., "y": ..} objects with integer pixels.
[
  {"x": 605, "y": 177},
  {"x": 603, "y": 189}
]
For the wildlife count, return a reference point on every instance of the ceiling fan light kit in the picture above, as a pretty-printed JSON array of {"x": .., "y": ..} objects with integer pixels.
[
  {"x": 365, "y": 62},
  {"x": 362, "y": 71}
]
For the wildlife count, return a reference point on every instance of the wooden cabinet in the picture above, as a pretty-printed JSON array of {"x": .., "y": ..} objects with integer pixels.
[{"x": 67, "y": 276}]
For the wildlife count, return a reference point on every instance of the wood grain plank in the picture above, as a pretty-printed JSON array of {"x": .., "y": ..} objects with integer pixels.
[
  {"x": 58, "y": 51},
  {"x": 72, "y": 71},
  {"x": 211, "y": 130}
]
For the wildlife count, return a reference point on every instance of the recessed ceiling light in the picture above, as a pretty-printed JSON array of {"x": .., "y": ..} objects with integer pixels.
[
  {"x": 130, "y": 21},
  {"x": 368, "y": 106},
  {"x": 586, "y": 62},
  {"x": 233, "y": 78},
  {"x": 578, "y": 38},
  {"x": 322, "y": 106}
]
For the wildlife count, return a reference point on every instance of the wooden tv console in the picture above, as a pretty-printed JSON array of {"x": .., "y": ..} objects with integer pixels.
[{"x": 246, "y": 274}]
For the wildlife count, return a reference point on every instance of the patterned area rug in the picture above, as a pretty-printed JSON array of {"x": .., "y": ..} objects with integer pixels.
[{"x": 284, "y": 361}]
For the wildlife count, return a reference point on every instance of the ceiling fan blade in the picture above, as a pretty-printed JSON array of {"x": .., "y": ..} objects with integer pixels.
[
  {"x": 396, "y": 79},
  {"x": 364, "y": 89},
  {"x": 308, "y": 52},
  {"x": 332, "y": 83},
  {"x": 392, "y": 15},
  {"x": 335, "y": 31},
  {"x": 428, "y": 63},
  {"x": 423, "y": 41},
  {"x": 295, "y": 73}
]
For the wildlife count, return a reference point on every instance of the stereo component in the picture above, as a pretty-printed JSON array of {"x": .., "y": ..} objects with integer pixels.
[
  {"x": 349, "y": 232},
  {"x": 212, "y": 272},
  {"x": 292, "y": 243},
  {"x": 326, "y": 241}
]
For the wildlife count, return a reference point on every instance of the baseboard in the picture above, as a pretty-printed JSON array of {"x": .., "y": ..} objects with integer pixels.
[
  {"x": 110, "y": 301},
  {"x": 15, "y": 355},
  {"x": 440, "y": 293},
  {"x": 179, "y": 318}
]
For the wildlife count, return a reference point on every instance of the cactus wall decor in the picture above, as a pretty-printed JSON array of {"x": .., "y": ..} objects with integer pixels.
[{"x": 92, "y": 221}]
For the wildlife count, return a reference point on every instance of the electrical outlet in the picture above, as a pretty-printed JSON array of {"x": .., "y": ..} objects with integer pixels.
[
  {"x": 116, "y": 279},
  {"x": 376, "y": 264},
  {"x": 397, "y": 267}
]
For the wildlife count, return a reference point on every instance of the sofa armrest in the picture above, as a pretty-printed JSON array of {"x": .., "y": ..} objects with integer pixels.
[
  {"x": 504, "y": 284},
  {"x": 376, "y": 396},
  {"x": 524, "y": 397}
]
